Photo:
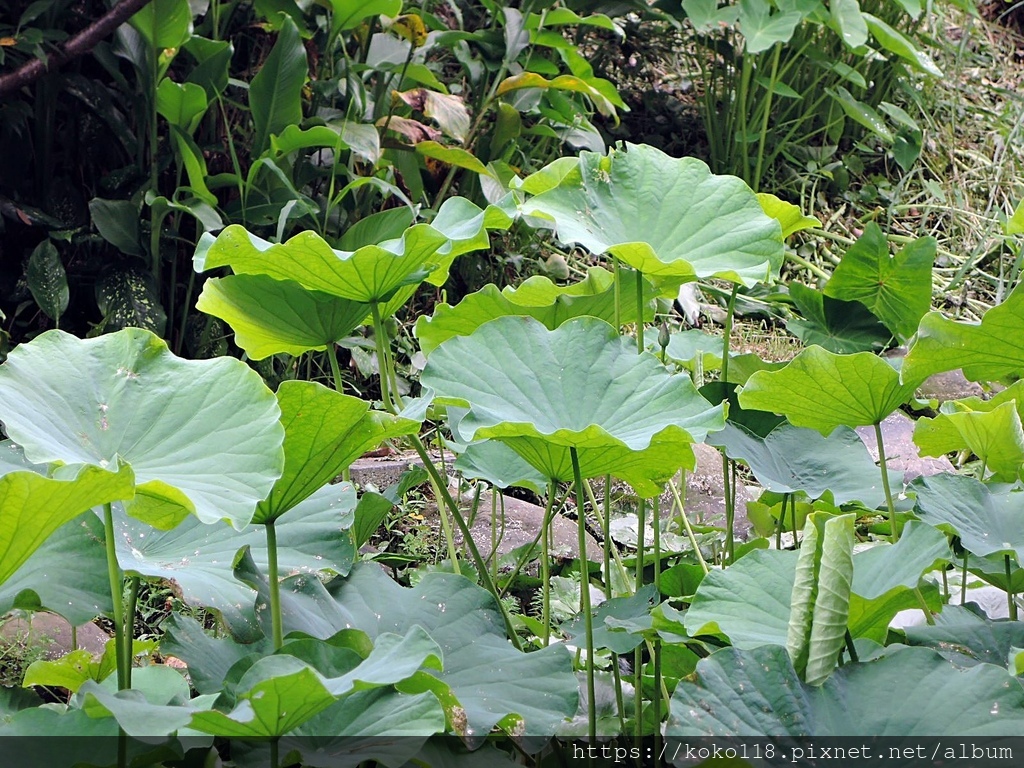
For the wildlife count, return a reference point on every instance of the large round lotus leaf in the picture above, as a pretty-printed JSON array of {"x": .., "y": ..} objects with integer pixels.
[
  {"x": 539, "y": 298},
  {"x": 198, "y": 559},
  {"x": 579, "y": 386},
  {"x": 372, "y": 273},
  {"x": 822, "y": 391},
  {"x": 32, "y": 507},
  {"x": 492, "y": 681},
  {"x": 270, "y": 316},
  {"x": 987, "y": 523},
  {"x": 324, "y": 432},
  {"x": 986, "y": 351},
  {"x": 794, "y": 459},
  {"x": 758, "y": 693},
  {"x": 203, "y": 435},
  {"x": 663, "y": 216}
]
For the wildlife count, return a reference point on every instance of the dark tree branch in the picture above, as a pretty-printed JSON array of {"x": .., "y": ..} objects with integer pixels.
[{"x": 81, "y": 43}]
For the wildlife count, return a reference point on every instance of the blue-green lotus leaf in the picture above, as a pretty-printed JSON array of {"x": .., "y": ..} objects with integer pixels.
[
  {"x": 664, "y": 216},
  {"x": 579, "y": 386},
  {"x": 201, "y": 436}
]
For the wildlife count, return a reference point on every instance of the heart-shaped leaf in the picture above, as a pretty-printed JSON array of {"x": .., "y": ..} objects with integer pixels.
[
  {"x": 615, "y": 204},
  {"x": 758, "y": 693},
  {"x": 993, "y": 435},
  {"x": 792, "y": 459},
  {"x": 897, "y": 289},
  {"x": 821, "y": 390},
  {"x": 199, "y": 434},
  {"x": 843, "y": 327},
  {"x": 762, "y": 28},
  {"x": 270, "y": 316},
  {"x": 536, "y": 297},
  {"x": 987, "y": 523},
  {"x": 579, "y": 386},
  {"x": 325, "y": 431},
  {"x": 986, "y": 351}
]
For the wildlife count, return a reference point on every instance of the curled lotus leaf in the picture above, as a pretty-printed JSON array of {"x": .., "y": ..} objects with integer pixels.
[
  {"x": 201, "y": 436},
  {"x": 667, "y": 217},
  {"x": 579, "y": 386}
]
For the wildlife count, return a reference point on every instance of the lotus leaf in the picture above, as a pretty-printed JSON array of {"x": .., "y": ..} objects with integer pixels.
[
  {"x": 987, "y": 523},
  {"x": 963, "y": 629},
  {"x": 493, "y": 683},
  {"x": 537, "y": 297},
  {"x": 579, "y": 386},
  {"x": 270, "y": 316},
  {"x": 663, "y": 216},
  {"x": 197, "y": 558},
  {"x": 32, "y": 507},
  {"x": 789, "y": 216},
  {"x": 325, "y": 431},
  {"x": 758, "y": 693},
  {"x": 821, "y": 390},
  {"x": 897, "y": 289},
  {"x": 820, "y": 604},
  {"x": 986, "y": 351},
  {"x": 198, "y": 434},
  {"x": 792, "y": 459},
  {"x": 371, "y": 274}
]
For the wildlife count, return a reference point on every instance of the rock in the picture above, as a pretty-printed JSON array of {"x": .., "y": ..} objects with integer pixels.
[
  {"x": 901, "y": 453},
  {"x": 52, "y": 633},
  {"x": 523, "y": 522},
  {"x": 382, "y": 471},
  {"x": 951, "y": 385}
]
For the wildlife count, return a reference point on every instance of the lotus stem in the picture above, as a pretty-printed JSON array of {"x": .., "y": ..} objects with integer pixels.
[
  {"x": 129, "y": 629},
  {"x": 963, "y": 582},
  {"x": 883, "y": 467},
  {"x": 730, "y": 497},
  {"x": 656, "y": 698},
  {"x": 656, "y": 525},
  {"x": 588, "y": 619},
  {"x": 686, "y": 525},
  {"x": 782, "y": 522},
  {"x": 1011, "y": 600},
  {"x": 606, "y": 526},
  {"x": 332, "y": 356},
  {"x": 851, "y": 647},
  {"x": 641, "y": 524},
  {"x": 276, "y": 622},
  {"x": 446, "y": 526},
  {"x": 617, "y": 282},
  {"x": 380, "y": 341},
  {"x": 929, "y": 619},
  {"x": 545, "y": 564},
  {"x": 474, "y": 552},
  {"x": 639, "y": 312},
  {"x": 609, "y": 550},
  {"x": 116, "y": 595}
]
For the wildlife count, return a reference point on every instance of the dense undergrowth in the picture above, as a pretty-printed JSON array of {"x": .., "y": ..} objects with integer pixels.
[{"x": 251, "y": 243}]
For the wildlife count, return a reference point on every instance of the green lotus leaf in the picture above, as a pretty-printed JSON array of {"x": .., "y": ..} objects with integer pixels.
[
  {"x": 897, "y": 289},
  {"x": 209, "y": 659},
  {"x": 887, "y": 567},
  {"x": 991, "y": 429},
  {"x": 663, "y": 216},
  {"x": 270, "y": 316},
  {"x": 792, "y": 459},
  {"x": 491, "y": 460},
  {"x": 202, "y": 434},
  {"x": 843, "y": 327},
  {"x": 198, "y": 559},
  {"x": 579, "y": 386},
  {"x": 373, "y": 273},
  {"x": 961, "y": 629},
  {"x": 32, "y": 507},
  {"x": 325, "y": 431},
  {"x": 749, "y": 602},
  {"x": 684, "y": 347},
  {"x": 493, "y": 683},
  {"x": 820, "y": 605},
  {"x": 987, "y": 523},
  {"x": 789, "y": 216},
  {"x": 610, "y": 617},
  {"x": 822, "y": 391},
  {"x": 986, "y": 351},
  {"x": 67, "y": 575},
  {"x": 538, "y": 298},
  {"x": 758, "y": 693}
]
